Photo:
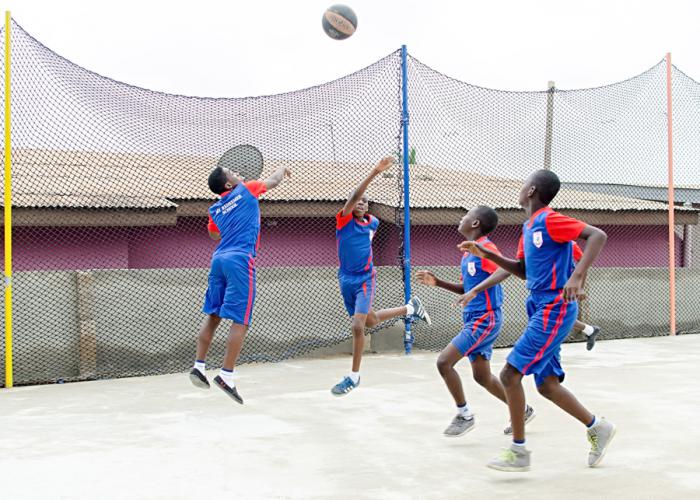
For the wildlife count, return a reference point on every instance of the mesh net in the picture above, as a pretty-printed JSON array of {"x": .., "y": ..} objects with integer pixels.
[{"x": 110, "y": 199}]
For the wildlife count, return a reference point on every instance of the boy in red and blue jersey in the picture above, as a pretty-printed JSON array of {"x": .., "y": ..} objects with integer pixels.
[
  {"x": 482, "y": 317},
  {"x": 234, "y": 220},
  {"x": 354, "y": 232},
  {"x": 546, "y": 260}
]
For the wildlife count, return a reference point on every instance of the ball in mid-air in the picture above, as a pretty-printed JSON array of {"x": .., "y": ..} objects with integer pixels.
[{"x": 339, "y": 22}]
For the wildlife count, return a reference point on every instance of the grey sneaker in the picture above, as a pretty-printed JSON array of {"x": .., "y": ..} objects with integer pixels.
[
  {"x": 600, "y": 436},
  {"x": 529, "y": 417},
  {"x": 513, "y": 459},
  {"x": 590, "y": 340},
  {"x": 419, "y": 311},
  {"x": 460, "y": 425}
]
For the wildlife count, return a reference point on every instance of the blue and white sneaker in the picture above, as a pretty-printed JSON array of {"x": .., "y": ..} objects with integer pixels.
[
  {"x": 344, "y": 386},
  {"x": 419, "y": 311}
]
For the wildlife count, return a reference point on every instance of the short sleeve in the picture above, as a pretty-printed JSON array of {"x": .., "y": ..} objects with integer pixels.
[
  {"x": 487, "y": 265},
  {"x": 374, "y": 223},
  {"x": 521, "y": 250},
  {"x": 563, "y": 229},
  {"x": 256, "y": 188},
  {"x": 212, "y": 226},
  {"x": 578, "y": 253},
  {"x": 342, "y": 221}
]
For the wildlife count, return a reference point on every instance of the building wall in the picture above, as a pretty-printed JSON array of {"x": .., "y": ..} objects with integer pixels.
[{"x": 289, "y": 242}]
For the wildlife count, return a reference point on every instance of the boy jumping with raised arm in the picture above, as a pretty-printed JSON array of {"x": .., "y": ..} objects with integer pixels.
[
  {"x": 482, "y": 316},
  {"x": 545, "y": 260},
  {"x": 235, "y": 221},
  {"x": 354, "y": 231}
]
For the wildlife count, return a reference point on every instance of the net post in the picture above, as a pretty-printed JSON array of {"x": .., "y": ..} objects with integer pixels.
[
  {"x": 7, "y": 209},
  {"x": 549, "y": 125},
  {"x": 408, "y": 336},
  {"x": 671, "y": 198}
]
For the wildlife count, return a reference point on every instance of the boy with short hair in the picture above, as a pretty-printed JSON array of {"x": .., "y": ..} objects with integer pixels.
[
  {"x": 545, "y": 260},
  {"x": 482, "y": 316},
  {"x": 235, "y": 221},
  {"x": 354, "y": 230}
]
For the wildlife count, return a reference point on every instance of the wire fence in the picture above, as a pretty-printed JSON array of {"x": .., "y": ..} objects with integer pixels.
[{"x": 110, "y": 199}]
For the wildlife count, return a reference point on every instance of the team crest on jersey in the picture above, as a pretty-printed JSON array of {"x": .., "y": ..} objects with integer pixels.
[
  {"x": 537, "y": 239},
  {"x": 471, "y": 268}
]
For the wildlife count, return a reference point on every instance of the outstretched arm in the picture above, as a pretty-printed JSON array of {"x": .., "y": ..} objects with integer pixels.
[
  {"x": 277, "y": 177},
  {"x": 429, "y": 279},
  {"x": 357, "y": 194},
  {"x": 512, "y": 266}
]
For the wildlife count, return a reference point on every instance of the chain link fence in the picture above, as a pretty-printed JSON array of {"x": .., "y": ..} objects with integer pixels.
[{"x": 110, "y": 199}]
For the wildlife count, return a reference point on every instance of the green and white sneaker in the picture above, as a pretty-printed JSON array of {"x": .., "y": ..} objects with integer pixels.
[
  {"x": 460, "y": 425},
  {"x": 600, "y": 436},
  {"x": 513, "y": 459},
  {"x": 529, "y": 417}
]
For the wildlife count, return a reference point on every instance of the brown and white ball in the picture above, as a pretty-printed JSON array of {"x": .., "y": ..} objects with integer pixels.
[{"x": 339, "y": 22}]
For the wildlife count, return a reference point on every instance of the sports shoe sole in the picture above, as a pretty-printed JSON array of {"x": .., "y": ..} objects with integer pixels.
[
  {"x": 198, "y": 382},
  {"x": 602, "y": 453},
  {"x": 508, "y": 469},
  {"x": 230, "y": 391}
]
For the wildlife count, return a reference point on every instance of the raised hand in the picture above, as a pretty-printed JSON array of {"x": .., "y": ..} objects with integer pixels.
[{"x": 426, "y": 278}]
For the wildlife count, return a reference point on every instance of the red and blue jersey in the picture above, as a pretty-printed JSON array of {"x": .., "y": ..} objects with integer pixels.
[
  {"x": 236, "y": 217},
  {"x": 547, "y": 246},
  {"x": 354, "y": 241},
  {"x": 474, "y": 271}
]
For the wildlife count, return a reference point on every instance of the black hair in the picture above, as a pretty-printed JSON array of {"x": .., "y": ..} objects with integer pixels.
[
  {"x": 488, "y": 218},
  {"x": 547, "y": 184},
  {"x": 217, "y": 180}
]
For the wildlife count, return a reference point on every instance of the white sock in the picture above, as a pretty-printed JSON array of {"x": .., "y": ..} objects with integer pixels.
[
  {"x": 227, "y": 377},
  {"x": 354, "y": 376},
  {"x": 201, "y": 366},
  {"x": 595, "y": 422},
  {"x": 410, "y": 309},
  {"x": 465, "y": 411},
  {"x": 520, "y": 446},
  {"x": 588, "y": 330}
]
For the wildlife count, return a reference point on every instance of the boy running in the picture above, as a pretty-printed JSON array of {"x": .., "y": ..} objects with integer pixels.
[
  {"x": 545, "y": 260},
  {"x": 235, "y": 221},
  {"x": 482, "y": 316},
  {"x": 354, "y": 231}
]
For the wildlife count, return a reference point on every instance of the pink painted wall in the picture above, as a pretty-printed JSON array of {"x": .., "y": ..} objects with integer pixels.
[{"x": 289, "y": 242}]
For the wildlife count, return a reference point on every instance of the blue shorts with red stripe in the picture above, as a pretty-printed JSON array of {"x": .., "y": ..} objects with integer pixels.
[
  {"x": 537, "y": 351},
  {"x": 358, "y": 291},
  {"x": 231, "y": 290},
  {"x": 480, "y": 331}
]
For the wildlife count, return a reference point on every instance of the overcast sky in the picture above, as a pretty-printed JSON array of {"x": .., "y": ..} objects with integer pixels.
[{"x": 238, "y": 48}]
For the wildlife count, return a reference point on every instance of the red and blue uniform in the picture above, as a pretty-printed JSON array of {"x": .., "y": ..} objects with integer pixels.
[
  {"x": 356, "y": 273},
  {"x": 547, "y": 247},
  {"x": 483, "y": 318},
  {"x": 232, "y": 278}
]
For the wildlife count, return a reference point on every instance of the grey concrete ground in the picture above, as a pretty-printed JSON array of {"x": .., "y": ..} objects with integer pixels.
[{"x": 160, "y": 438}]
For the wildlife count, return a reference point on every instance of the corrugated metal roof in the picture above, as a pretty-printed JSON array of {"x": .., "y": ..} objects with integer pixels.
[{"x": 69, "y": 179}]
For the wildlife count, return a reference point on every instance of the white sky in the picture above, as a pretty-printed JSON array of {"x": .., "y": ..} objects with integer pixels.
[{"x": 237, "y": 48}]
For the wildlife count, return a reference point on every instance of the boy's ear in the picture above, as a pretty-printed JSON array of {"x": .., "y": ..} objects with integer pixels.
[
  {"x": 476, "y": 223},
  {"x": 531, "y": 191}
]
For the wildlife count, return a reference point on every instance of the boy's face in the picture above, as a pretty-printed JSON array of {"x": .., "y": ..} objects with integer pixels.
[
  {"x": 361, "y": 208},
  {"x": 526, "y": 192},
  {"x": 468, "y": 222},
  {"x": 233, "y": 178}
]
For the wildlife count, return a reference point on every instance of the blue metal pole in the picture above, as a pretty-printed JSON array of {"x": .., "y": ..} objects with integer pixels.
[{"x": 408, "y": 336}]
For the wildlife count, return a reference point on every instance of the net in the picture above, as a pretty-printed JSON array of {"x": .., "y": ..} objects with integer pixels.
[{"x": 110, "y": 199}]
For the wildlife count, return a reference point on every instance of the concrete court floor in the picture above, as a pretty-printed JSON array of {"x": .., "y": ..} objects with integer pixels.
[{"x": 160, "y": 438}]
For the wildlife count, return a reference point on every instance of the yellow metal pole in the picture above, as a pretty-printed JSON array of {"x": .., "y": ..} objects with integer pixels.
[{"x": 8, "y": 211}]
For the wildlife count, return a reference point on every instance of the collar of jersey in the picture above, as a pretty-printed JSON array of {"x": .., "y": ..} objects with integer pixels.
[
  {"x": 540, "y": 211},
  {"x": 369, "y": 219}
]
